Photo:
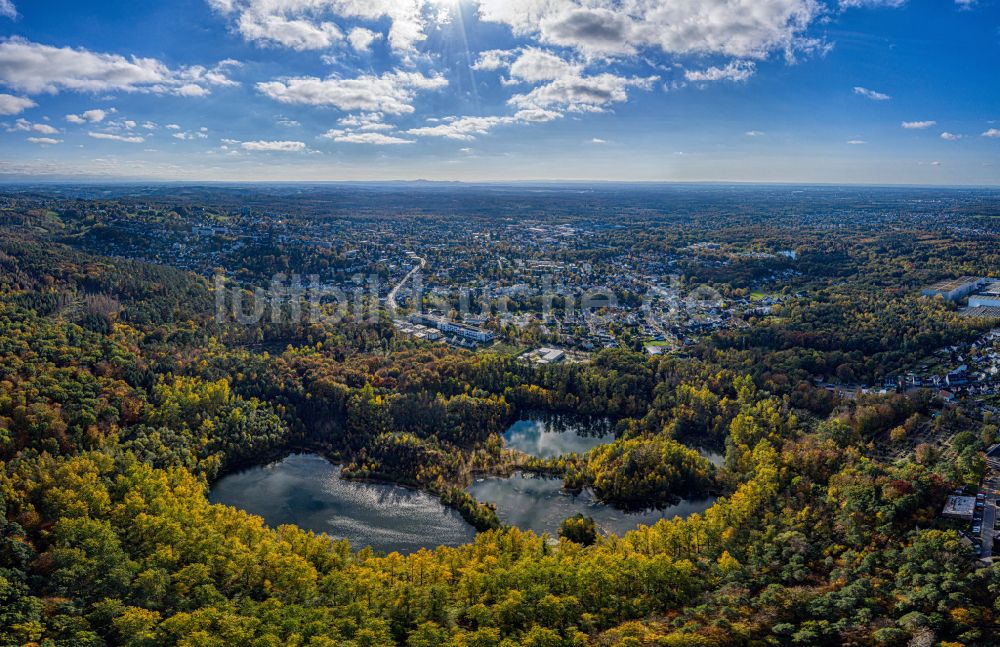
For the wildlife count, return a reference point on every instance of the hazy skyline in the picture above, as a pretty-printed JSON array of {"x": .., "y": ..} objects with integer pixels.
[{"x": 855, "y": 91}]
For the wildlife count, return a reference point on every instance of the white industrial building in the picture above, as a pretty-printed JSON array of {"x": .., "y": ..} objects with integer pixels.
[
  {"x": 988, "y": 297},
  {"x": 955, "y": 289}
]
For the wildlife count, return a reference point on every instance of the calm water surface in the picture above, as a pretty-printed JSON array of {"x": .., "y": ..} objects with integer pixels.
[
  {"x": 552, "y": 437},
  {"x": 539, "y": 504},
  {"x": 306, "y": 490}
]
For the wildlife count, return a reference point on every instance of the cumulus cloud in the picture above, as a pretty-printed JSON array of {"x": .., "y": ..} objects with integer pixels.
[
  {"x": 736, "y": 28},
  {"x": 35, "y": 68},
  {"x": 992, "y": 133},
  {"x": 90, "y": 116},
  {"x": 462, "y": 128},
  {"x": 308, "y": 24},
  {"x": 128, "y": 139},
  {"x": 468, "y": 128},
  {"x": 494, "y": 59},
  {"x": 361, "y": 39},
  {"x": 374, "y": 139},
  {"x": 851, "y": 4},
  {"x": 951, "y": 137},
  {"x": 918, "y": 125},
  {"x": 871, "y": 94},
  {"x": 44, "y": 141},
  {"x": 754, "y": 133},
  {"x": 734, "y": 71},
  {"x": 367, "y": 122},
  {"x": 857, "y": 142},
  {"x": 535, "y": 65},
  {"x": 563, "y": 84},
  {"x": 536, "y": 115},
  {"x": 11, "y": 105},
  {"x": 23, "y": 125},
  {"x": 7, "y": 9},
  {"x": 392, "y": 93},
  {"x": 593, "y": 30},
  {"x": 578, "y": 93},
  {"x": 276, "y": 146}
]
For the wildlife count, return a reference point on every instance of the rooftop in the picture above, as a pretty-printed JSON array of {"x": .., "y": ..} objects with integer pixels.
[
  {"x": 954, "y": 284},
  {"x": 961, "y": 507}
]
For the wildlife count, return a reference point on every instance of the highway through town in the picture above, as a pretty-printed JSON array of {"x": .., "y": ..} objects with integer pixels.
[
  {"x": 390, "y": 301},
  {"x": 989, "y": 519}
]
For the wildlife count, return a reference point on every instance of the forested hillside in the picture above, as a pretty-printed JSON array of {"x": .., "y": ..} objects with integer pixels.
[{"x": 122, "y": 400}]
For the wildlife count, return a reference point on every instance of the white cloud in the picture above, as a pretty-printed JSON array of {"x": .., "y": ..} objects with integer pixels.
[
  {"x": 992, "y": 133},
  {"x": 192, "y": 90},
  {"x": 11, "y": 105},
  {"x": 755, "y": 133},
  {"x": 279, "y": 146},
  {"x": 361, "y": 39},
  {"x": 468, "y": 128},
  {"x": 851, "y": 4},
  {"x": 45, "y": 129},
  {"x": 918, "y": 125},
  {"x": 295, "y": 33},
  {"x": 308, "y": 24},
  {"x": 733, "y": 71},
  {"x": 951, "y": 137},
  {"x": 23, "y": 125},
  {"x": 494, "y": 59},
  {"x": 592, "y": 30},
  {"x": 871, "y": 94},
  {"x": 173, "y": 127},
  {"x": 857, "y": 142},
  {"x": 462, "y": 128},
  {"x": 35, "y": 68},
  {"x": 94, "y": 116},
  {"x": 391, "y": 93},
  {"x": 598, "y": 141},
  {"x": 537, "y": 115},
  {"x": 374, "y": 139},
  {"x": 128, "y": 139},
  {"x": 736, "y": 28},
  {"x": 580, "y": 93},
  {"x": 534, "y": 65},
  {"x": 7, "y": 9},
  {"x": 369, "y": 122},
  {"x": 44, "y": 141},
  {"x": 564, "y": 85}
]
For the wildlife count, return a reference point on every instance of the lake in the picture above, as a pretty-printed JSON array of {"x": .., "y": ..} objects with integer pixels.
[
  {"x": 554, "y": 436},
  {"x": 306, "y": 490},
  {"x": 540, "y": 504}
]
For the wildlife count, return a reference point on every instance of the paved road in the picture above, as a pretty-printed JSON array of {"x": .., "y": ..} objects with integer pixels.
[
  {"x": 390, "y": 301},
  {"x": 989, "y": 519}
]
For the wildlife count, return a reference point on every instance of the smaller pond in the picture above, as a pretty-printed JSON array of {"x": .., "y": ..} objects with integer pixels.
[
  {"x": 306, "y": 490},
  {"x": 555, "y": 436},
  {"x": 713, "y": 456},
  {"x": 540, "y": 504}
]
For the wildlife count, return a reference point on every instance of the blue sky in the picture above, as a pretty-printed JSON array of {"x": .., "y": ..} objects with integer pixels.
[{"x": 853, "y": 91}]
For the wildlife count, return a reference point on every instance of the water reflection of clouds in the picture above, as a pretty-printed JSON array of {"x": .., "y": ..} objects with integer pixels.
[
  {"x": 536, "y": 438},
  {"x": 540, "y": 504},
  {"x": 307, "y": 491}
]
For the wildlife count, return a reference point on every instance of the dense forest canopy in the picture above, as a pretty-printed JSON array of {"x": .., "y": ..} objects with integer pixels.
[{"x": 122, "y": 399}]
